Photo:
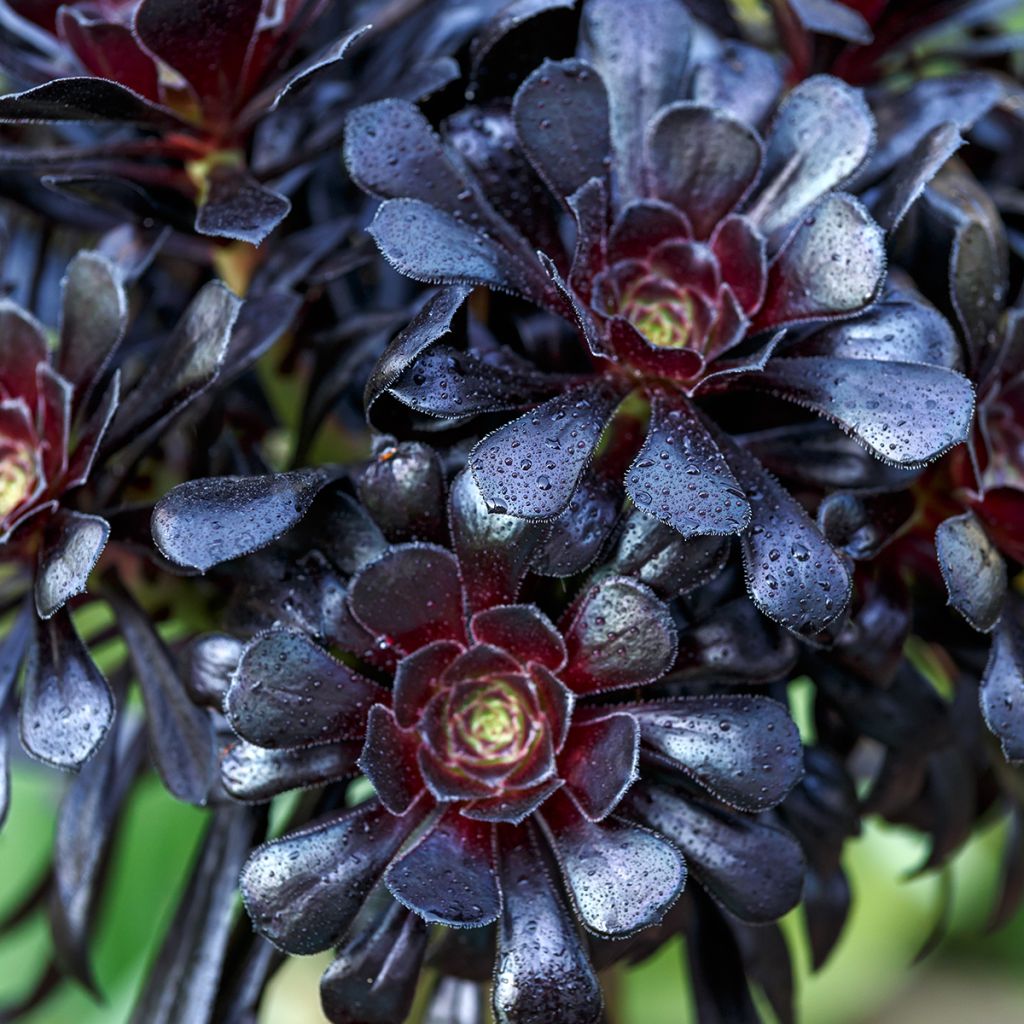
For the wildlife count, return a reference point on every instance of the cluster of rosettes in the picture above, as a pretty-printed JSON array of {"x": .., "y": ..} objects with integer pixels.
[{"x": 708, "y": 322}]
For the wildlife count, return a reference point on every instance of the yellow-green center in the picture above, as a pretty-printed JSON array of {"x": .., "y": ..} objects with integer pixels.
[
  {"x": 491, "y": 724},
  {"x": 17, "y": 477}
]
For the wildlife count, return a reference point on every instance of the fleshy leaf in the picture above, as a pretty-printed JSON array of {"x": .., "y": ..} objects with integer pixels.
[
  {"x": 494, "y": 550},
  {"x": 181, "y": 734},
  {"x": 430, "y": 324},
  {"x": 681, "y": 478},
  {"x": 388, "y": 760},
  {"x": 94, "y": 315},
  {"x": 661, "y": 558},
  {"x": 902, "y": 187},
  {"x": 542, "y": 971},
  {"x": 74, "y": 542},
  {"x": 447, "y": 876},
  {"x": 66, "y": 704},
  {"x": 373, "y": 980},
  {"x": 392, "y": 151},
  {"x": 410, "y": 597},
  {"x": 822, "y": 133},
  {"x": 1002, "y": 687},
  {"x": 303, "y": 891},
  {"x": 430, "y": 245},
  {"x": 744, "y": 750},
  {"x": 901, "y": 328},
  {"x": 85, "y": 828},
  {"x": 255, "y": 774},
  {"x": 202, "y": 523},
  {"x": 599, "y": 762},
  {"x": 832, "y": 265},
  {"x": 403, "y": 490},
  {"x": 641, "y": 51},
  {"x": 904, "y": 413},
  {"x": 83, "y": 99},
  {"x": 238, "y": 207},
  {"x": 793, "y": 574},
  {"x": 207, "y": 44},
  {"x": 185, "y": 980},
  {"x": 531, "y": 466},
  {"x": 702, "y": 161},
  {"x": 184, "y": 366},
  {"x": 288, "y": 691},
  {"x": 524, "y": 631},
  {"x": 561, "y": 118},
  {"x": 621, "y": 877},
  {"x": 619, "y": 635},
  {"x": 213, "y": 659},
  {"x": 973, "y": 569},
  {"x": 743, "y": 80},
  {"x": 755, "y": 871}
]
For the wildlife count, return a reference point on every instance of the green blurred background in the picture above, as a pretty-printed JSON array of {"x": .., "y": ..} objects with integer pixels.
[{"x": 870, "y": 978}]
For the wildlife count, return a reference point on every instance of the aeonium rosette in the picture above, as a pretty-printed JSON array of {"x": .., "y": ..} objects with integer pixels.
[
  {"x": 195, "y": 79},
  {"x": 961, "y": 526},
  {"x": 63, "y": 413},
  {"x": 712, "y": 261},
  {"x": 505, "y": 748}
]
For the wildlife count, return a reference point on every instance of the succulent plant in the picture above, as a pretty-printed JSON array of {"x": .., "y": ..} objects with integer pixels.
[{"x": 616, "y": 386}]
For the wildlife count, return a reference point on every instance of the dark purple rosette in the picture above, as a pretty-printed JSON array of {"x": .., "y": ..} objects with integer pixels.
[
  {"x": 717, "y": 265},
  {"x": 521, "y": 778}
]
